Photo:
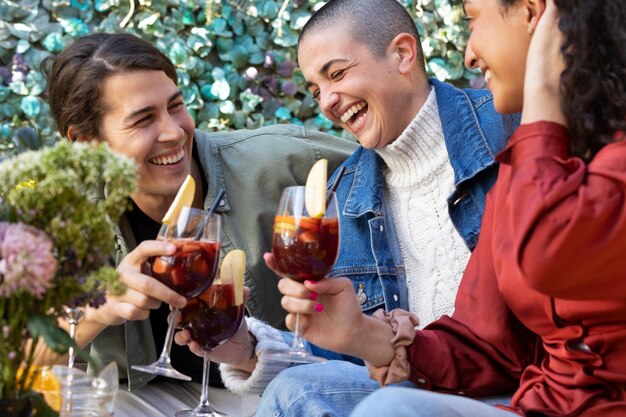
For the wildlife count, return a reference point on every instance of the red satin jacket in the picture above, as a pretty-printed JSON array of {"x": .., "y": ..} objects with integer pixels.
[{"x": 541, "y": 308}]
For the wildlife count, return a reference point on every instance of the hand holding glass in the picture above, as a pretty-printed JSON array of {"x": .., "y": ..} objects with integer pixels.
[
  {"x": 304, "y": 248},
  {"x": 190, "y": 271}
]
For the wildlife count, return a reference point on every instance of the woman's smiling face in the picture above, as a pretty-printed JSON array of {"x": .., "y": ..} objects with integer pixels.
[
  {"x": 363, "y": 93},
  {"x": 498, "y": 45},
  {"x": 146, "y": 119}
]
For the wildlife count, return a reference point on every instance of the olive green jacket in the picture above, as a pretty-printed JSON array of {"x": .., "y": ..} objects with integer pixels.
[{"x": 253, "y": 167}]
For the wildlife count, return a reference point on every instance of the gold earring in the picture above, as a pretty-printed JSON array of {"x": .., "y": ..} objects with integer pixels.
[{"x": 531, "y": 30}]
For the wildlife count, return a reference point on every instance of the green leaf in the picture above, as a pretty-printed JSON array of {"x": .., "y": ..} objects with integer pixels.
[{"x": 57, "y": 339}]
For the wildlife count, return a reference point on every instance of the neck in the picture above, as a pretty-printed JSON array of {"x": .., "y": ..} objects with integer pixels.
[{"x": 155, "y": 206}]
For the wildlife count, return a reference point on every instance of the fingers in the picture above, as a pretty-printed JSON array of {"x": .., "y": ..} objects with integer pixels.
[
  {"x": 268, "y": 257},
  {"x": 150, "y": 287},
  {"x": 182, "y": 337},
  {"x": 148, "y": 249},
  {"x": 303, "y": 322}
]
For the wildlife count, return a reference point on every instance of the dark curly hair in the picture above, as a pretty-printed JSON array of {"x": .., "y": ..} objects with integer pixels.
[{"x": 593, "y": 85}]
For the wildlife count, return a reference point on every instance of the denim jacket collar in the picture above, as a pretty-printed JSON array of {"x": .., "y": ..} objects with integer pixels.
[{"x": 456, "y": 110}]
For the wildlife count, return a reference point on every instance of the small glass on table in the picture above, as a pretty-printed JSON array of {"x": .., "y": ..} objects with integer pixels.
[
  {"x": 304, "y": 248},
  {"x": 189, "y": 272},
  {"x": 211, "y": 318}
]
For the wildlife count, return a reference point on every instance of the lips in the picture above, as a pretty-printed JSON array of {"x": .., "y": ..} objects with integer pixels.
[{"x": 170, "y": 159}]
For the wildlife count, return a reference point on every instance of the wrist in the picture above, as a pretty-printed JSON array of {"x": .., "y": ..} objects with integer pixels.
[
  {"x": 249, "y": 358},
  {"x": 371, "y": 341}
]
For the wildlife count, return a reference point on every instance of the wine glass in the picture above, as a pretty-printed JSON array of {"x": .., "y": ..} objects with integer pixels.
[
  {"x": 189, "y": 272},
  {"x": 211, "y": 318},
  {"x": 304, "y": 248}
]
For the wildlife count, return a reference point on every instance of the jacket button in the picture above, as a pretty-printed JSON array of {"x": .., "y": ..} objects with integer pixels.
[
  {"x": 421, "y": 381},
  {"x": 360, "y": 295}
]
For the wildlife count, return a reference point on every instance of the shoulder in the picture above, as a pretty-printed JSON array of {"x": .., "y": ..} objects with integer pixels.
[{"x": 275, "y": 135}]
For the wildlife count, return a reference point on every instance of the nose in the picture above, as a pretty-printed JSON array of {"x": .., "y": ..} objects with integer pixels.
[
  {"x": 170, "y": 129},
  {"x": 471, "y": 60},
  {"x": 328, "y": 100}
]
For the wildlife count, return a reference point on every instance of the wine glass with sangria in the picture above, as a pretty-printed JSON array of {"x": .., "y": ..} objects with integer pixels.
[
  {"x": 189, "y": 271},
  {"x": 214, "y": 317},
  {"x": 305, "y": 246}
]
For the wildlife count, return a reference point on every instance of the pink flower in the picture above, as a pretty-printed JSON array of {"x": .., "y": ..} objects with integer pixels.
[{"x": 27, "y": 260}]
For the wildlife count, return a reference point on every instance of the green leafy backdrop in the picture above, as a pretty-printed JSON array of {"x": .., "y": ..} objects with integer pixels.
[{"x": 235, "y": 58}]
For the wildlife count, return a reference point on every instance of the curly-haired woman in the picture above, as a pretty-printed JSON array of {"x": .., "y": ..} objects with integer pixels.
[{"x": 542, "y": 305}]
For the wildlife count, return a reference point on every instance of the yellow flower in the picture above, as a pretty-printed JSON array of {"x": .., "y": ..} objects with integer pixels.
[{"x": 26, "y": 184}]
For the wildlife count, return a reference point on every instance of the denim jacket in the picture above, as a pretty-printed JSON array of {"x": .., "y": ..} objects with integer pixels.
[{"x": 370, "y": 255}]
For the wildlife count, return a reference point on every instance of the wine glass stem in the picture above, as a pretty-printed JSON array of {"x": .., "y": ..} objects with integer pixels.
[
  {"x": 297, "y": 344},
  {"x": 206, "y": 373},
  {"x": 164, "y": 359},
  {"x": 71, "y": 355}
]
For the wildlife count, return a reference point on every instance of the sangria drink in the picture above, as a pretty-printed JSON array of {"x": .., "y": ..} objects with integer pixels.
[
  {"x": 213, "y": 317},
  {"x": 191, "y": 269},
  {"x": 305, "y": 248}
]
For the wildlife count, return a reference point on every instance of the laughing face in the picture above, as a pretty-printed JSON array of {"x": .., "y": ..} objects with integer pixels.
[
  {"x": 146, "y": 119},
  {"x": 369, "y": 96},
  {"x": 498, "y": 46}
]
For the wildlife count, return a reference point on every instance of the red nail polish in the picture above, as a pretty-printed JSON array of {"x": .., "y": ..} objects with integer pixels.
[
  {"x": 313, "y": 296},
  {"x": 319, "y": 308},
  {"x": 308, "y": 281}
]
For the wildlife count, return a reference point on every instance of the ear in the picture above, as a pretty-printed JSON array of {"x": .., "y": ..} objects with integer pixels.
[
  {"x": 404, "y": 50},
  {"x": 534, "y": 11},
  {"x": 74, "y": 136}
]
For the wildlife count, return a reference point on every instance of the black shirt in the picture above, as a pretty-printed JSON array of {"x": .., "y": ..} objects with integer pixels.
[{"x": 144, "y": 228}]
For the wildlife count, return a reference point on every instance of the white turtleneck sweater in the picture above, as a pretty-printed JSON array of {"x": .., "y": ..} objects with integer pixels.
[{"x": 417, "y": 181}]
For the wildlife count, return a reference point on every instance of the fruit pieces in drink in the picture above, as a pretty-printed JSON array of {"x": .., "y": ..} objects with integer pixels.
[
  {"x": 305, "y": 247},
  {"x": 191, "y": 269},
  {"x": 213, "y": 317}
]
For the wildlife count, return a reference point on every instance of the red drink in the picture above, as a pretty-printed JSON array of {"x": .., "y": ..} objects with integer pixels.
[
  {"x": 212, "y": 318},
  {"x": 191, "y": 269},
  {"x": 305, "y": 247}
]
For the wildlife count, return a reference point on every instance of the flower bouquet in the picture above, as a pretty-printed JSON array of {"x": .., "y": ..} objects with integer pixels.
[{"x": 56, "y": 241}]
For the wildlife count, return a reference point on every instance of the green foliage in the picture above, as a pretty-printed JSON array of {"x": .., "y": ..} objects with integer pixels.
[{"x": 235, "y": 58}]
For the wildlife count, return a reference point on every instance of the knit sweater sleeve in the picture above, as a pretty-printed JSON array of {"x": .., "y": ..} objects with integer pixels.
[{"x": 269, "y": 340}]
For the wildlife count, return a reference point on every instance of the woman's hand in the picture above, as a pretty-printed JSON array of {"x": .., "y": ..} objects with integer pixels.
[
  {"x": 330, "y": 313},
  {"x": 544, "y": 66}
]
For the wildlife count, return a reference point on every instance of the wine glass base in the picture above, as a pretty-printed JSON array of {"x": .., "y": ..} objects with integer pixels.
[
  {"x": 162, "y": 370},
  {"x": 295, "y": 357},
  {"x": 200, "y": 412}
]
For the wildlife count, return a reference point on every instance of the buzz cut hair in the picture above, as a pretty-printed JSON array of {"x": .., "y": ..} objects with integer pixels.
[{"x": 374, "y": 23}]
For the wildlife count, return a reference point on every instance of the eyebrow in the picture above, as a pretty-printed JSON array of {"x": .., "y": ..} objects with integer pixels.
[
  {"x": 147, "y": 109},
  {"x": 324, "y": 69}
]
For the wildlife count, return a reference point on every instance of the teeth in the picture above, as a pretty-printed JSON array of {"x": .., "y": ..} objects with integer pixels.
[
  {"x": 351, "y": 112},
  {"x": 487, "y": 76},
  {"x": 170, "y": 159}
]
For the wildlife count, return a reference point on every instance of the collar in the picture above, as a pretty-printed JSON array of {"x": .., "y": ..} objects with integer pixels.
[
  {"x": 462, "y": 131},
  {"x": 211, "y": 165}
]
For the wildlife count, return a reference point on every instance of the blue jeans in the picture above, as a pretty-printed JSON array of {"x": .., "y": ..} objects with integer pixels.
[
  {"x": 331, "y": 389},
  {"x": 406, "y": 402}
]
